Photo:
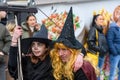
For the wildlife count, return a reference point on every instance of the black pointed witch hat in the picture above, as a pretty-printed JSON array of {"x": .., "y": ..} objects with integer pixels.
[
  {"x": 40, "y": 36},
  {"x": 67, "y": 36}
]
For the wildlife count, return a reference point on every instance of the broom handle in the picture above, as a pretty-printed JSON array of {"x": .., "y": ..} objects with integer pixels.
[{"x": 20, "y": 74}]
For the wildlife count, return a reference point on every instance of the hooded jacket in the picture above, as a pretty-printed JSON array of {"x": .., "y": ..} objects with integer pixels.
[{"x": 26, "y": 31}]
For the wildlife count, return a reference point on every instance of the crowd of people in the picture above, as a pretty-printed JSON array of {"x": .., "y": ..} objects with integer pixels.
[{"x": 63, "y": 59}]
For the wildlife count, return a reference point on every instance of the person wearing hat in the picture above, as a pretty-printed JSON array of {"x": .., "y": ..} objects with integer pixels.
[
  {"x": 36, "y": 63},
  {"x": 64, "y": 54},
  {"x": 5, "y": 40}
]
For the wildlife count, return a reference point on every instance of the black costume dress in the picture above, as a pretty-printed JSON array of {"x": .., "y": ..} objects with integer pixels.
[{"x": 31, "y": 71}]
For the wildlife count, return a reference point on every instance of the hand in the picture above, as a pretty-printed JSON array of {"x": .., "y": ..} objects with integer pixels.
[
  {"x": 1, "y": 53},
  {"x": 37, "y": 26},
  {"x": 17, "y": 33},
  {"x": 78, "y": 63}
]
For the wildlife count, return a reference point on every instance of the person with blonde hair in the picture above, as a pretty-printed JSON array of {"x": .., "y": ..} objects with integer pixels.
[
  {"x": 10, "y": 26},
  {"x": 65, "y": 52}
]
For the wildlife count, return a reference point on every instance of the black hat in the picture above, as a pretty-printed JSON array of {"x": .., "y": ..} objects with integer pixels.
[
  {"x": 67, "y": 36},
  {"x": 40, "y": 36}
]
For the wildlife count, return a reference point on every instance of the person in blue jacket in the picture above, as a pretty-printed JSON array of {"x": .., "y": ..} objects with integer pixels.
[{"x": 113, "y": 38}]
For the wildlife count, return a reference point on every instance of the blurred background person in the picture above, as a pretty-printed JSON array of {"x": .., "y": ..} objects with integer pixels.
[
  {"x": 5, "y": 40},
  {"x": 97, "y": 44},
  {"x": 4, "y": 21},
  {"x": 113, "y": 38},
  {"x": 30, "y": 26},
  {"x": 10, "y": 26}
]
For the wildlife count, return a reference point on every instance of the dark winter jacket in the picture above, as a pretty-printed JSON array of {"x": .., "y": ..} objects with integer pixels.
[
  {"x": 5, "y": 41},
  {"x": 31, "y": 71},
  {"x": 113, "y": 38},
  {"x": 102, "y": 46}
]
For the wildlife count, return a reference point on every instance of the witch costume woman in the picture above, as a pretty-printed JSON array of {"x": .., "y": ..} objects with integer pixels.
[
  {"x": 64, "y": 53},
  {"x": 36, "y": 63}
]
